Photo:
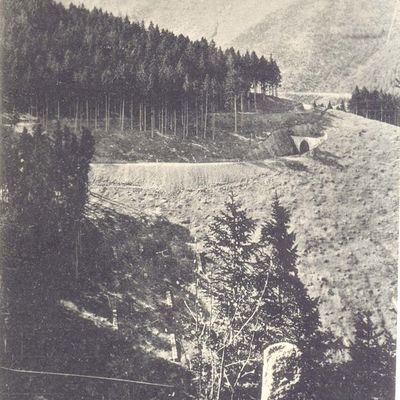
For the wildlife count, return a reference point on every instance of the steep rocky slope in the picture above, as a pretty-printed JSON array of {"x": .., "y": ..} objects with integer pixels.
[{"x": 344, "y": 203}]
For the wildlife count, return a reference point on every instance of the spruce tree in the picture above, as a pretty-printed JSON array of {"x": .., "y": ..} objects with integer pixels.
[
  {"x": 232, "y": 253},
  {"x": 289, "y": 312},
  {"x": 372, "y": 369}
]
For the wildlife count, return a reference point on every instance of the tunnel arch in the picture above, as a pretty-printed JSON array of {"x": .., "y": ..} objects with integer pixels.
[{"x": 304, "y": 147}]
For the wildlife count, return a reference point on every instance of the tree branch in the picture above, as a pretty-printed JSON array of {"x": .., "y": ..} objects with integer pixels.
[
  {"x": 246, "y": 362},
  {"x": 233, "y": 337}
]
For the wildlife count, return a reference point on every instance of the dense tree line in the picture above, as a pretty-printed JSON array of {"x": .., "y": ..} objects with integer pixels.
[
  {"x": 375, "y": 105},
  {"x": 97, "y": 68}
]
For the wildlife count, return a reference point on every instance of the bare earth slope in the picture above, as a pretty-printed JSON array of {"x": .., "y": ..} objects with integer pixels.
[{"x": 344, "y": 205}]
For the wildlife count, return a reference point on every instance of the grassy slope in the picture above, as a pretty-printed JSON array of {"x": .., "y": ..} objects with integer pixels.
[
  {"x": 343, "y": 201},
  {"x": 373, "y": 75},
  {"x": 321, "y": 45}
]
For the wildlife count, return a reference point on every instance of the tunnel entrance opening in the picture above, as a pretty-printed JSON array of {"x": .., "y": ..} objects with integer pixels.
[{"x": 304, "y": 147}]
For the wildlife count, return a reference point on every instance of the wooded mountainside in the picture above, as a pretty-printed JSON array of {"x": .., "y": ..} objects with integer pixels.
[{"x": 77, "y": 63}]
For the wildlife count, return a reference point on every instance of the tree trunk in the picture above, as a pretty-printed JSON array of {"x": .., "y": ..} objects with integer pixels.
[
  {"x": 213, "y": 122},
  {"x": 174, "y": 121},
  {"x": 76, "y": 115},
  {"x": 145, "y": 118},
  {"x": 162, "y": 118},
  {"x": 123, "y": 114},
  {"x": 105, "y": 112},
  {"x": 235, "y": 111},
  {"x": 47, "y": 112},
  {"x": 96, "y": 111},
  {"x": 87, "y": 113},
  {"x": 152, "y": 118},
  {"x": 140, "y": 117},
  {"x": 131, "y": 112},
  {"x": 77, "y": 246},
  {"x": 255, "y": 95},
  {"x": 187, "y": 117},
  {"x": 241, "y": 111},
  {"x": 109, "y": 113},
  {"x": 165, "y": 117},
  {"x": 197, "y": 118},
  {"x": 205, "y": 117},
  {"x": 201, "y": 122},
  {"x": 221, "y": 374}
]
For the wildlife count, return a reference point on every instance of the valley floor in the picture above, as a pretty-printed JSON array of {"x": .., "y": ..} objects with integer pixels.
[{"x": 343, "y": 200}]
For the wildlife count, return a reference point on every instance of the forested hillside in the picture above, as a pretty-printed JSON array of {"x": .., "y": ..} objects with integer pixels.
[{"x": 74, "y": 63}]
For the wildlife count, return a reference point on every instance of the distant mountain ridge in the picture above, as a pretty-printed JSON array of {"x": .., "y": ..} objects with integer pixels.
[
  {"x": 320, "y": 45},
  {"x": 326, "y": 46}
]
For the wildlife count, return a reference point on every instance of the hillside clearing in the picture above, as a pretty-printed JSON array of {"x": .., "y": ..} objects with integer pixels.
[
  {"x": 344, "y": 203},
  {"x": 253, "y": 141}
]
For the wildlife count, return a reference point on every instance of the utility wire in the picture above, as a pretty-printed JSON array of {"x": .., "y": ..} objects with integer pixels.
[{"x": 22, "y": 371}]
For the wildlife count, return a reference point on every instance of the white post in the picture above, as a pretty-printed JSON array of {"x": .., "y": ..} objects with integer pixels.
[{"x": 278, "y": 359}]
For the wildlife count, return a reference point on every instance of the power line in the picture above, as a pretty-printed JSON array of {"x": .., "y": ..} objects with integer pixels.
[{"x": 103, "y": 378}]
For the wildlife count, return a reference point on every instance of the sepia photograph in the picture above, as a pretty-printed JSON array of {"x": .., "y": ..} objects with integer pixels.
[{"x": 199, "y": 199}]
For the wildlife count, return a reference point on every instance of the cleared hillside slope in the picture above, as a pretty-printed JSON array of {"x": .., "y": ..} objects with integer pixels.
[
  {"x": 344, "y": 203},
  {"x": 322, "y": 45},
  {"x": 382, "y": 69}
]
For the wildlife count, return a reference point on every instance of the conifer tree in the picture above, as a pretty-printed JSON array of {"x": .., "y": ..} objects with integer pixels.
[
  {"x": 372, "y": 369},
  {"x": 289, "y": 313},
  {"x": 236, "y": 299}
]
